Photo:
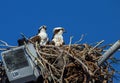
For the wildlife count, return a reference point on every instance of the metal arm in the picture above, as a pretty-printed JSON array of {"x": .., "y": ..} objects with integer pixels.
[{"x": 109, "y": 52}]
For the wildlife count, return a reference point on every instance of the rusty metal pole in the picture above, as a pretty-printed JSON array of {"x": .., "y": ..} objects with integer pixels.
[{"x": 109, "y": 52}]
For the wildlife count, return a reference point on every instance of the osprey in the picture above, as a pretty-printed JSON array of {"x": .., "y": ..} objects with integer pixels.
[
  {"x": 57, "y": 39},
  {"x": 43, "y": 35}
]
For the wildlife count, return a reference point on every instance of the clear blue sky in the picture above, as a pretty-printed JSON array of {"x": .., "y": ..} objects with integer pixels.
[{"x": 98, "y": 19}]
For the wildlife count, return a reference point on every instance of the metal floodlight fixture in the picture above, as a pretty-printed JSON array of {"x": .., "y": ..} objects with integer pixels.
[{"x": 19, "y": 65}]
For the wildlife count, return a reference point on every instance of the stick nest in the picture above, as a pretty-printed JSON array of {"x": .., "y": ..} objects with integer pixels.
[{"x": 71, "y": 64}]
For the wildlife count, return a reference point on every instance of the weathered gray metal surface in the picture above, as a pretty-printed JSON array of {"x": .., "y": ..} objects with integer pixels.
[
  {"x": 21, "y": 69},
  {"x": 109, "y": 52}
]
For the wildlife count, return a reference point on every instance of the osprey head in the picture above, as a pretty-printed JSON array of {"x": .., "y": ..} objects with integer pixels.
[
  {"x": 42, "y": 28},
  {"x": 58, "y": 29}
]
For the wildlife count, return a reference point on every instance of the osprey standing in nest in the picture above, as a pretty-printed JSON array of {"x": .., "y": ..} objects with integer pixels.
[
  {"x": 43, "y": 35},
  {"x": 41, "y": 38},
  {"x": 57, "y": 39}
]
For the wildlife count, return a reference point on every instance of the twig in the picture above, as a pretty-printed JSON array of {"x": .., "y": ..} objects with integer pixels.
[
  {"x": 96, "y": 46},
  {"x": 3, "y": 49},
  {"x": 52, "y": 46},
  {"x": 61, "y": 78},
  {"x": 23, "y": 35},
  {"x": 71, "y": 77},
  {"x": 47, "y": 53},
  {"x": 6, "y": 44},
  {"x": 86, "y": 68},
  {"x": 80, "y": 39},
  {"x": 70, "y": 42},
  {"x": 57, "y": 58},
  {"x": 45, "y": 60},
  {"x": 28, "y": 51},
  {"x": 53, "y": 77}
]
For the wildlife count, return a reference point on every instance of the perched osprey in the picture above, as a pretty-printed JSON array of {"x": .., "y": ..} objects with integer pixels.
[
  {"x": 57, "y": 39},
  {"x": 43, "y": 35}
]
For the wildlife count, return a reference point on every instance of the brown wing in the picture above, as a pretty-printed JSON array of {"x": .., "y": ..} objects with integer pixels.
[{"x": 35, "y": 39}]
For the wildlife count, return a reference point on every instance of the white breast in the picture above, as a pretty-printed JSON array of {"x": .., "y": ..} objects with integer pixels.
[
  {"x": 44, "y": 38},
  {"x": 58, "y": 39}
]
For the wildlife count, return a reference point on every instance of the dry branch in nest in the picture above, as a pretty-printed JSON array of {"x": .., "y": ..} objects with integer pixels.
[{"x": 71, "y": 64}]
